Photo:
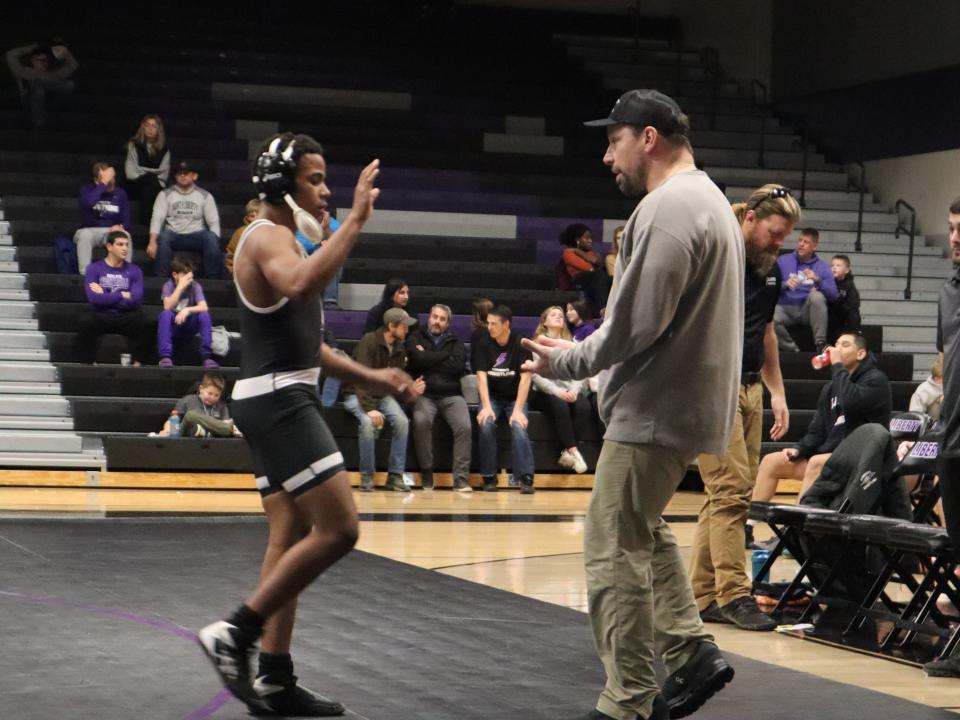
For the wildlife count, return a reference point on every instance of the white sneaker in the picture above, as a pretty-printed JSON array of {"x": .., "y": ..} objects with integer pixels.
[
  {"x": 579, "y": 464},
  {"x": 566, "y": 460}
]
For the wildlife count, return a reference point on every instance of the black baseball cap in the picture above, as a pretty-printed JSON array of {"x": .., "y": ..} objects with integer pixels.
[
  {"x": 646, "y": 107},
  {"x": 183, "y": 167}
]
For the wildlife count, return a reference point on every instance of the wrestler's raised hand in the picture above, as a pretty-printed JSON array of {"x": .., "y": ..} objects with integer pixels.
[{"x": 365, "y": 193}]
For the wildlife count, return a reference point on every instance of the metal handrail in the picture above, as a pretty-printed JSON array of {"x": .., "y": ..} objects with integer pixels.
[
  {"x": 907, "y": 294},
  {"x": 711, "y": 62},
  {"x": 858, "y": 245},
  {"x": 754, "y": 86}
]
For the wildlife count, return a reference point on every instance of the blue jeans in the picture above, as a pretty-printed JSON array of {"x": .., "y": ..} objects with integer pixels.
[
  {"x": 203, "y": 242},
  {"x": 41, "y": 93},
  {"x": 330, "y": 391},
  {"x": 521, "y": 447},
  {"x": 399, "y": 425},
  {"x": 331, "y": 293}
]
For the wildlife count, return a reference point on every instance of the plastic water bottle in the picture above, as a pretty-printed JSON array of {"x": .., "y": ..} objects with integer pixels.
[
  {"x": 821, "y": 361},
  {"x": 174, "y": 424},
  {"x": 758, "y": 559}
]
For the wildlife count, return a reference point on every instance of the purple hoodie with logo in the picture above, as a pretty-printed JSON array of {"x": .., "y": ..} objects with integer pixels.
[
  {"x": 791, "y": 264},
  {"x": 101, "y": 207}
]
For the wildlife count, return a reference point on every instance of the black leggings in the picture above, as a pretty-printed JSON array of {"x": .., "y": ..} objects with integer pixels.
[{"x": 572, "y": 420}]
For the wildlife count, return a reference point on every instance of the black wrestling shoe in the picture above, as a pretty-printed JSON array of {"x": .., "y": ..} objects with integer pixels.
[
  {"x": 231, "y": 655},
  {"x": 426, "y": 479},
  {"x": 489, "y": 483},
  {"x": 280, "y": 696},
  {"x": 697, "y": 681}
]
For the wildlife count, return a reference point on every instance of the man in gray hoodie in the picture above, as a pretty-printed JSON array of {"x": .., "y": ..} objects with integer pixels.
[
  {"x": 185, "y": 217},
  {"x": 669, "y": 357}
]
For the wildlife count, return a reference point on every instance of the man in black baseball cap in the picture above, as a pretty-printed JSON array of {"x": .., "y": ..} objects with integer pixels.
[{"x": 646, "y": 107}]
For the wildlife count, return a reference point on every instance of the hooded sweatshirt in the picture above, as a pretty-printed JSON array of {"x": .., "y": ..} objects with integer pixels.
[
  {"x": 927, "y": 398},
  {"x": 102, "y": 207},
  {"x": 847, "y": 402},
  {"x": 791, "y": 264}
]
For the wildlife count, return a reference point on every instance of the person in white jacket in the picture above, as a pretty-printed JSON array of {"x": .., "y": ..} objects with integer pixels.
[
  {"x": 928, "y": 397},
  {"x": 563, "y": 400}
]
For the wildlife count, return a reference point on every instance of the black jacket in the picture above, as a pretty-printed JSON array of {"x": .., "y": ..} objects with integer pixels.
[
  {"x": 845, "y": 311},
  {"x": 863, "y": 397},
  {"x": 861, "y": 470},
  {"x": 441, "y": 366}
]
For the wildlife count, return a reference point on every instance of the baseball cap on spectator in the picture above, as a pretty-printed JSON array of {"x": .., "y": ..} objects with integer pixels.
[
  {"x": 183, "y": 167},
  {"x": 398, "y": 315},
  {"x": 646, "y": 107}
]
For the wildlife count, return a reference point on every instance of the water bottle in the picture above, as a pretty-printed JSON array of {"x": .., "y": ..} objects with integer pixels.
[
  {"x": 758, "y": 559},
  {"x": 174, "y": 424},
  {"x": 821, "y": 361}
]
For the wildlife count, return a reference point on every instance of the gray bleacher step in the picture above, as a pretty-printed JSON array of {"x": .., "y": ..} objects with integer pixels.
[
  {"x": 18, "y": 387},
  {"x": 25, "y": 422},
  {"x": 23, "y": 340},
  {"x": 896, "y": 322},
  {"x": 8, "y": 254},
  {"x": 35, "y": 405},
  {"x": 359, "y": 296},
  {"x": 13, "y": 281},
  {"x": 759, "y": 176},
  {"x": 898, "y": 307},
  {"x": 16, "y": 309},
  {"x": 28, "y": 372},
  {"x": 910, "y": 334},
  {"x": 6, "y": 240},
  {"x": 27, "y": 354},
  {"x": 870, "y": 281},
  {"x": 15, "y": 295},
  {"x": 921, "y": 295},
  {"x": 46, "y": 441},
  {"x": 916, "y": 348},
  {"x": 828, "y": 245},
  {"x": 18, "y": 324},
  {"x": 53, "y": 459},
  {"x": 818, "y": 199}
]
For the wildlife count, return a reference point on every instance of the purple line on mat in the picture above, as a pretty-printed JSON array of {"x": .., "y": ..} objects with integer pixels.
[{"x": 214, "y": 704}]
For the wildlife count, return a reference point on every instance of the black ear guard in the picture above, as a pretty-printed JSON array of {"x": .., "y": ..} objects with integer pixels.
[{"x": 275, "y": 172}]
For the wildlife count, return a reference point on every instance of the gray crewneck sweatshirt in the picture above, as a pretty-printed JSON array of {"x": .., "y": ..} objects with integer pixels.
[
  {"x": 671, "y": 342},
  {"x": 185, "y": 212}
]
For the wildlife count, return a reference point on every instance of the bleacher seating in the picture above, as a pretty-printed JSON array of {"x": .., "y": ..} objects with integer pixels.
[{"x": 480, "y": 175}]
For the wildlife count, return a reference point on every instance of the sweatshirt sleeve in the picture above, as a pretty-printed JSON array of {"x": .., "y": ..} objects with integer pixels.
[
  {"x": 16, "y": 66},
  {"x": 547, "y": 386},
  {"x": 136, "y": 290},
  {"x": 163, "y": 172},
  {"x": 365, "y": 354},
  {"x": 159, "y": 213},
  {"x": 131, "y": 166},
  {"x": 68, "y": 68},
  {"x": 648, "y": 292},
  {"x": 816, "y": 431},
  {"x": 103, "y": 300},
  {"x": 210, "y": 214}
]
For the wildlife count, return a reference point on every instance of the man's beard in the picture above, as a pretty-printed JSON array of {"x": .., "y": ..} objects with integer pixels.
[{"x": 761, "y": 260}]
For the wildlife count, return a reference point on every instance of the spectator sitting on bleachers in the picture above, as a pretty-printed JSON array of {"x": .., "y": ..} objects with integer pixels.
[
  {"x": 381, "y": 348},
  {"x": 439, "y": 357},
  {"x": 843, "y": 314},
  {"x": 185, "y": 314},
  {"x": 610, "y": 260},
  {"x": 859, "y": 393},
  {"x": 928, "y": 397},
  {"x": 103, "y": 209},
  {"x": 114, "y": 289},
  {"x": 580, "y": 318},
  {"x": 147, "y": 167},
  {"x": 185, "y": 218},
  {"x": 204, "y": 413},
  {"x": 584, "y": 266},
  {"x": 808, "y": 286},
  {"x": 42, "y": 74},
  {"x": 396, "y": 294},
  {"x": 503, "y": 390},
  {"x": 562, "y": 400},
  {"x": 250, "y": 211},
  {"x": 480, "y": 306}
]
